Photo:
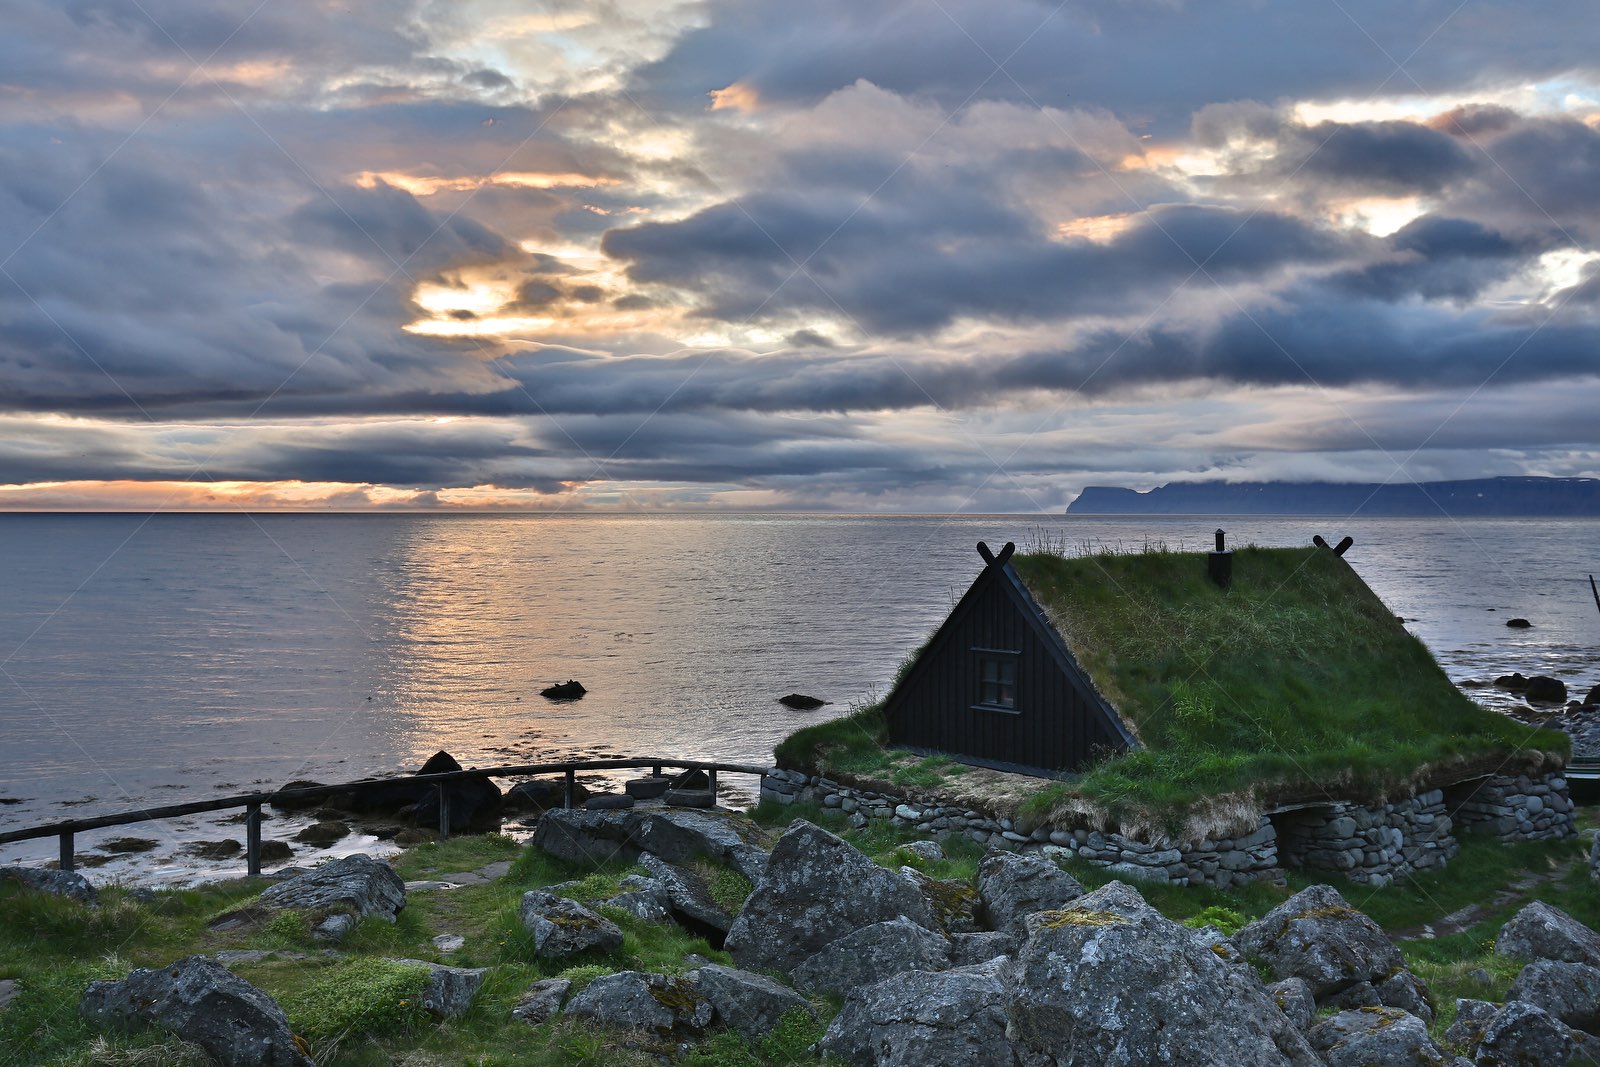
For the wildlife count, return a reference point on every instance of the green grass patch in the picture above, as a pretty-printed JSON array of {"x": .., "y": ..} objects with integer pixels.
[
  {"x": 1295, "y": 678},
  {"x": 358, "y": 997},
  {"x": 852, "y": 744}
]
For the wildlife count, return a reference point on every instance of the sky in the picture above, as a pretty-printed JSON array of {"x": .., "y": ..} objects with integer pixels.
[{"x": 922, "y": 256}]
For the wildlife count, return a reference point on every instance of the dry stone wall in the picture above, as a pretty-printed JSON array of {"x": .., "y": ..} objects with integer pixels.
[{"x": 1373, "y": 844}]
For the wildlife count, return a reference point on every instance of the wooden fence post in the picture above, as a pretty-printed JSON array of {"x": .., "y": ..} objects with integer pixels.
[
  {"x": 444, "y": 812},
  {"x": 67, "y": 863},
  {"x": 570, "y": 788},
  {"x": 252, "y": 840}
]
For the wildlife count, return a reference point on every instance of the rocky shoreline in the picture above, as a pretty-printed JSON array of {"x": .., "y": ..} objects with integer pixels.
[{"x": 1018, "y": 967}]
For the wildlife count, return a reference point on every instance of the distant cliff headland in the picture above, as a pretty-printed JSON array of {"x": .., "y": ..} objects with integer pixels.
[{"x": 1569, "y": 497}]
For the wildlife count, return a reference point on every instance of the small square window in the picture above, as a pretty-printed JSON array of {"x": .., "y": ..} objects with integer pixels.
[{"x": 997, "y": 681}]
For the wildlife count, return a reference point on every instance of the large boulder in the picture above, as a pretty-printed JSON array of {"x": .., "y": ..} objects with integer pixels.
[
  {"x": 967, "y": 950},
  {"x": 1544, "y": 689},
  {"x": 676, "y": 835},
  {"x": 872, "y": 954},
  {"x": 357, "y": 884},
  {"x": 1012, "y": 886},
  {"x": 919, "y": 1018},
  {"x": 1294, "y": 998},
  {"x": 69, "y": 884},
  {"x": 1318, "y": 936},
  {"x": 1377, "y": 1037},
  {"x": 954, "y": 904},
  {"x": 541, "y": 1001},
  {"x": 1541, "y": 932},
  {"x": 474, "y": 802},
  {"x": 655, "y": 1004},
  {"x": 1569, "y": 991},
  {"x": 1110, "y": 981},
  {"x": 1524, "y": 1035},
  {"x": 817, "y": 888},
  {"x": 749, "y": 1003},
  {"x": 688, "y": 899},
  {"x": 449, "y": 991},
  {"x": 1472, "y": 1019},
  {"x": 205, "y": 1004},
  {"x": 563, "y": 928}
]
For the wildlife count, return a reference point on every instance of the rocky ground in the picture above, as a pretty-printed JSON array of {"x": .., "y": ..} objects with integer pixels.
[{"x": 704, "y": 938}]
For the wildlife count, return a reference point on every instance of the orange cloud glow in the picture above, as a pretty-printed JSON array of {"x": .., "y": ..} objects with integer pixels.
[{"x": 423, "y": 185}]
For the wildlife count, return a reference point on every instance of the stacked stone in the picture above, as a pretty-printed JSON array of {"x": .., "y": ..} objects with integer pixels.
[
  {"x": 1211, "y": 862},
  {"x": 1371, "y": 845},
  {"x": 1518, "y": 808}
]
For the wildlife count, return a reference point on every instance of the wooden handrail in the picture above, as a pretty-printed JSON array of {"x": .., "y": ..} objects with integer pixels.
[{"x": 253, "y": 801}]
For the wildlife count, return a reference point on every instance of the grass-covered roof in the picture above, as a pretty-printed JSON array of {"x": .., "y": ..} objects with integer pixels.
[{"x": 1295, "y": 682}]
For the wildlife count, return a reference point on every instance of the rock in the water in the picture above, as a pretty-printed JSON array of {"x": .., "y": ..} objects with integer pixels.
[
  {"x": 920, "y": 1018},
  {"x": 954, "y": 904},
  {"x": 1012, "y": 886},
  {"x": 68, "y": 884},
  {"x": 449, "y": 992},
  {"x": 273, "y": 851},
  {"x": 542, "y": 794},
  {"x": 816, "y": 889},
  {"x": 872, "y": 954},
  {"x": 563, "y": 928},
  {"x": 1523, "y": 1035},
  {"x": 567, "y": 690},
  {"x": 1110, "y": 981},
  {"x": 1593, "y": 696},
  {"x": 749, "y": 1003},
  {"x": 658, "y": 1004},
  {"x": 358, "y": 883},
  {"x": 214, "y": 850},
  {"x": 542, "y": 1001},
  {"x": 1541, "y": 932},
  {"x": 122, "y": 845},
  {"x": 203, "y": 1003},
  {"x": 1294, "y": 998},
  {"x": 1376, "y": 1037},
  {"x": 323, "y": 832},
  {"x": 1516, "y": 681},
  {"x": 474, "y": 802},
  {"x": 677, "y": 836},
  {"x": 801, "y": 702},
  {"x": 1318, "y": 936},
  {"x": 1518, "y": 624},
  {"x": 1547, "y": 690},
  {"x": 1569, "y": 991}
]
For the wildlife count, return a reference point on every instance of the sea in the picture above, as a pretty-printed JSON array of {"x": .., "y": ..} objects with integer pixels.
[{"x": 156, "y": 659}]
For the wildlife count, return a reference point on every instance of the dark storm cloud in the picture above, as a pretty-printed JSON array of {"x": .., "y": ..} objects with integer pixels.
[
  {"x": 1443, "y": 259},
  {"x": 907, "y": 267},
  {"x": 1124, "y": 55},
  {"x": 1394, "y": 158}
]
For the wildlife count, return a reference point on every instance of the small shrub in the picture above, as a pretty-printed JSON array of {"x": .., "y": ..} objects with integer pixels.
[
  {"x": 364, "y": 996},
  {"x": 583, "y": 974},
  {"x": 791, "y": 1039},
  {"x": 1227, "y": 920}
]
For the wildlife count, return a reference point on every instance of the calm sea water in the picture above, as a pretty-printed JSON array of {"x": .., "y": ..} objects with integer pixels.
[{"x": 156, "y": 659}]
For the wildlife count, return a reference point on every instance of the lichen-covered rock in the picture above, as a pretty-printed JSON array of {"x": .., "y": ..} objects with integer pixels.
[
  {"x": 688, "y": 899},
  {"x": 1569, "y": 991},
  {"x": 1318, "y": 936},
  {"x": 969, "y": 949},
  {"x": 749, "y": 1003},
  {"x": 69, "y": 884},
  {"x": 541, "y": 1001},
  {"x": 1472, "y": 1019},
  {"x": 954, "y": 904},
  {"x": 658, "y": 1004},
  {"x": 919, "y": 1018},
  {"x": 1377, "y": 1037},
  {"x": 449, "y": 992},
  {"x": 643, "y": 898},
  {"x": 1294, "y": 998},
  {"x": 358, "y": 884},
  {"x": 872, "y": 954},
  {"x": 1110, "y": 981},
  {"x": 203, "y": 1003},
  {"x": 816, "y": 889},
  {"x": 562, "y": 928},
  {"x": 1351, "y": 997},
  {"x": 1408, "y": 993},
  {"x": 677, "y": 835},
  {"x": 1523, "y": 1035},
  {"x": 1541, "y": 932},
  {"x": 1012, "y": 886}
]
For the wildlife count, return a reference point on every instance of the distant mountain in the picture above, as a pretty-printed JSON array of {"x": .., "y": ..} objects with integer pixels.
[{"x": 1476, "y": 497}]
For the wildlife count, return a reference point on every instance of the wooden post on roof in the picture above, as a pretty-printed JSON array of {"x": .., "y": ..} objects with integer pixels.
[{"x": 1343, "y": 546}]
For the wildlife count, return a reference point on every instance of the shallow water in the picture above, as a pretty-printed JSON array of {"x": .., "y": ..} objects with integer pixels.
[{"x": 147, "y": 660}]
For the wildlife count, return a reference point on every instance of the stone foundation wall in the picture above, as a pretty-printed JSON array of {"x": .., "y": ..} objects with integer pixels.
[
  {"x": 1220, "y": 863},
  {"x": 1370, "y": 845},
  {"x": 1516, "y": 808},
  {"x": 1373, "y": 845}
]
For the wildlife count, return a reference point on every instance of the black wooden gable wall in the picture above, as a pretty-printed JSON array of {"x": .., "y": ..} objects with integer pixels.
[{"x": 1056, "y": 722}]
